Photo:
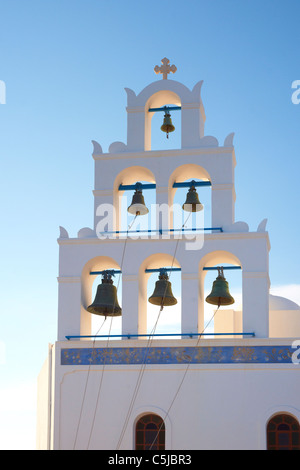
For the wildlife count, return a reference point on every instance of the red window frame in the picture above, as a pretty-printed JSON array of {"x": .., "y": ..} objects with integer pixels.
[
  {"x": 283, "y": 433},
  {"x": 150, "y": 433}
]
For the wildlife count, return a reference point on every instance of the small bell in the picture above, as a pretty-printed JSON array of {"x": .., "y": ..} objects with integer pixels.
[
  {"x": 138, "y": 206},
  {"x": 192, "y": 203},
  {"x": 167, "y": 125},
  {"x": 220, "y": 292},
  {"x": 106, "y": 301},
  {"x": 162, "y": 294}
]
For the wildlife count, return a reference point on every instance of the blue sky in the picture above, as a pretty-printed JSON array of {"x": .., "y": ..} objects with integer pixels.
[{"x": 65, "y": 65}]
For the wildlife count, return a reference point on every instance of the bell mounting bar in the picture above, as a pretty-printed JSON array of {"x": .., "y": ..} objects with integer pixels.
[
  {"x": 133, "y": 335},
  {"x": 164, "y": 108},
  {"x": 130, "y": 187},
  {"x": 157, "y": 270},
  {"x": 188, "y": 184},
  {"x": 223, "y": 267}
]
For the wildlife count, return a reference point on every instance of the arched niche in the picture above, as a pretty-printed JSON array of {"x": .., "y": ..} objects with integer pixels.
[
  {"x": 158, "y": 94},
  {"x": 228, "y": 319},
  {"x": 154, "y": 137},
  {"x": 89, "y": 283},
  {"x": 130, "y": 176},
  {"x": 169, "y": 318},
  {"x": 183, "y": 173}
]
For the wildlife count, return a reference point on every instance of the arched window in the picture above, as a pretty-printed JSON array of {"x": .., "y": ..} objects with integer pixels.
[
  {"x": 150, "y": 433},
  {"x": 283, "y": 433}
]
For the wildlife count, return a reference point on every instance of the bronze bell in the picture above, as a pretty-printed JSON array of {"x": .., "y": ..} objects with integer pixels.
[
  {"x": 162, "y": 294},
  {"x": 106, "y": 301},
  {"x": 167, "y": 125},
  {"x": 138, "y": 206},
  {"x": 192, "y": 203},
  {"x": 220, "y": 292}
]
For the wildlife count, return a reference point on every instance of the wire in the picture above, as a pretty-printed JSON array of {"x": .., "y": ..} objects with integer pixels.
[
  {"x": 182, "y": 380},
  {"x": 84, "y": 394},
  {"x": 143, "y": 367},
  {"x": 101, "y": 380}
]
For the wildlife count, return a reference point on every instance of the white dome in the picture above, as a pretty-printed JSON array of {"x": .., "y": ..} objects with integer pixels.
[{"x": 281, "y": 303}]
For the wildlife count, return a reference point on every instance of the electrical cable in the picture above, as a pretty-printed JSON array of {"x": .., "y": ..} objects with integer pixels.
[
  {"x": 89, "y": 368},
  {"x": 150, "y": 339},
  {"x": 84, "y": 394},
  {"x": 182, "y": 380},
  {"x": 100, "y": 385}
]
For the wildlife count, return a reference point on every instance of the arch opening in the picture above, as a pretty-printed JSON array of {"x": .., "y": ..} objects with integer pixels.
[
  {"x": 159, "y": 139},
  {"x": 226, "y": 319},
  {"x": 99, "y": 325},
  {"x": 192, "y": 220},
  {"x": 139, "y": 223},
  {"x": 155, "y": 139},
  {"x": 123, "y": 199},
  {"x": 177, "y": 197},
  {"x": 157, "y": 321}
]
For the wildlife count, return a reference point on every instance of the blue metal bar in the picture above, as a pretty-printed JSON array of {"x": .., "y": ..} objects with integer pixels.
[
  {"x": 188, "y": 184},
  {"x": 112, "y": 271},
  {"x": 166, "y": 230},
  {"x": 159, "y": 334},
  {"x": 130, "y": 187},
  {"x": 160, "y": 269},
  {"x": 164, "y": 108},
  {"x": 224, "y": 267}
]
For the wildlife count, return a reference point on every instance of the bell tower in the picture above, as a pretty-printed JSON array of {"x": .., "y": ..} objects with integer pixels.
[{"x": 138, "y": 389}]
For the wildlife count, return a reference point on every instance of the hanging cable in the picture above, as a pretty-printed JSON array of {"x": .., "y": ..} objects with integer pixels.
[
  {"x": 182, "y": 380},
  {"x": 84, "y": 394},
  {"x": 101, "y": 380},
  {"x": 93, "y": 344},
  {"x": 150, "y": 339}
]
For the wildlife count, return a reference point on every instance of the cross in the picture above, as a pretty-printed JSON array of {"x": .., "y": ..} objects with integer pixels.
[{"x": 165, "y": 68}]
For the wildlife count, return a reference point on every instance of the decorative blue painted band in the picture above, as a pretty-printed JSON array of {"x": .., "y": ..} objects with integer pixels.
[{"x": 178, "y": 355}]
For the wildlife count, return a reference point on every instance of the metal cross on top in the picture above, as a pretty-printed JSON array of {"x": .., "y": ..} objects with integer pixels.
[{"x": 165, "y": 68}]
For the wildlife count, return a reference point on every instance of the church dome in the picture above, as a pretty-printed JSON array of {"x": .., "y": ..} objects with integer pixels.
[{"x": 282, "y": 303}]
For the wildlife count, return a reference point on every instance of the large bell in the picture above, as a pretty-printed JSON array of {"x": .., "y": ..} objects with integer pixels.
[
  {"x": 106, "y": 301},
  {"x": 162, "y": 294},
  {"x": 220, "y": 292},
  {"x": 192, "y": 203},
  {"x": 138, "y": 206},
  {"x": 167, "y": 125}
]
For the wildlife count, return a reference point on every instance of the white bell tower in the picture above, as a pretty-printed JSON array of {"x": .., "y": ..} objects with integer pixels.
[{"x": 108, "y": 393}]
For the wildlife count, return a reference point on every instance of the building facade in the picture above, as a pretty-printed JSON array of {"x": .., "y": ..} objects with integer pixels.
[{"x": 233, "y": 389}]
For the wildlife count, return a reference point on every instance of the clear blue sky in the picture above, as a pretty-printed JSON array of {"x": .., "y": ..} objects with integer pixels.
[{"x": 65, "y": 65}]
